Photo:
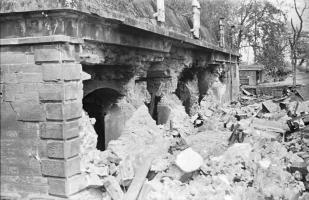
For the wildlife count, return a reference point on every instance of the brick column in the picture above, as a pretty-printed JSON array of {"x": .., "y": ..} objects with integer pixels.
[
  {"x": 61, "y": 95},
  {"x": 21, "y": 114}
]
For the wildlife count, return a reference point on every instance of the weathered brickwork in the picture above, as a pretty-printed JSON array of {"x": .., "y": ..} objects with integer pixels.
[{"x": 41, "y": 92}]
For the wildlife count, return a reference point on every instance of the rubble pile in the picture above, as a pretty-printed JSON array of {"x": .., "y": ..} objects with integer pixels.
[{"x": 257, "y": 150}]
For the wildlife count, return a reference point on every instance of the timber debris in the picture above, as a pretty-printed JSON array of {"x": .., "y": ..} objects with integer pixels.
[{"x": 255, "y": 150}]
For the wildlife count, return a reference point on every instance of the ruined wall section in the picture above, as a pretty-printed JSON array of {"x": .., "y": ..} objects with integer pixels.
[
  {"x": 162, "y": 77},
  {"x": 193, "y": 75},
  {"x": 120, "y": 68},
  {"x": 40, "y": 110},
  {"x": 42, "y": 55}
]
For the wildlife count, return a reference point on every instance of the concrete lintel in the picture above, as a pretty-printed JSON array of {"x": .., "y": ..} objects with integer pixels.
[
  {"x": 175, "y": 35},
  {"x": 161, "y": 46},
  {"x": 139, "y": 24},
  {"x": 40, "y": 39}
]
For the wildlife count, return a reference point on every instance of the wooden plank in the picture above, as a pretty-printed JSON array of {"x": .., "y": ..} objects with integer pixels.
[
  {"x": 138, "y": 180},
  {"x": 303, "y": 92}
]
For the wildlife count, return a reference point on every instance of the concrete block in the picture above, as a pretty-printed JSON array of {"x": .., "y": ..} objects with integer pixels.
[
  {"x": 10, "y": 90},
  {"x": 26, "y": 184},
  {"x": 25, "y": 68},
  {"x": 29, "y": 111},
  {"x": 2, "y": 76},
  {"x": 9, "y": 78},
  {"x": 29, "y": 77},
  {"x": 8, "y": 118},
  {"x": 67, "y": 187},
  {"x": 9, "y": 134},
  {"x": 72, "y": 110},
  {"x": 67, "y": 110},
  {"x": 30, "y": 58},
  {"x": 13, "y": 58},
  {"x": 72, "y": 71},
  {"x": 52, "y": 72},
  {"x": 63, "y": 149},
  {"x": 42, "y": 148},
  {"x": 56, "y": 130},
  {"x": 67, "y": 52},
  {"x": 47, "y": 53},
  {"x": 10, "y": 196},
  {"x": 28, "y": 130},
  {"x": 60, "y": 168},
  {"x": 31, "y": 87},
  {"x": 72, "y": 91},
  {"x": 31, "y": 167},
  {"x": 54, "y": 111},
  {"x": 5, "y": 68},
  {"x": 52, "y": 92},
  {"x": 27, "y": 96},
  {"x": 57, "y": 71},
  {"x": 56, "y": 53}
]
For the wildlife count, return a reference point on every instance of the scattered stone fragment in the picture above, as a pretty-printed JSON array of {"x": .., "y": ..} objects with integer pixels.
[
  {"x": 241, "y": 150},
  {"x": 265, "y": 163},
  {"x": 112, "y": 169},
  {"x": 146, "y": 189},
  {"x": 258, "y": 168},
  {"x": 113, "y": 188},
  {"x": 267, "y": 125},
  {"x": 98, "y": 170},
  {"x": 142, "y": 168},
  {"x": 91, "y": 194},
  {"x": 126, "y": 172},
  {"x": 94, "y": 180},
  {"x": 160, "y": 164},
  {"x": 270, "y": 106},
  {"x": 189, "y": 160}
]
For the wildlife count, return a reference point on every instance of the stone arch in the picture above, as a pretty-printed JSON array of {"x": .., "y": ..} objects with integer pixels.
[
  {"x": 92, "y": 85},
  {"x": 187, "y": 89},
  {"x": 98, "y": 103}
]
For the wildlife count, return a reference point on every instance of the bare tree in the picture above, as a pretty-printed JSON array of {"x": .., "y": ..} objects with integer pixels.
[
  {"x": 295, "y": 39},
  {"x": 244, "y": 13}
]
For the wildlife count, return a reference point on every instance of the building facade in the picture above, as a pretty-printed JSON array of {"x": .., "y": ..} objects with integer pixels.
[{"x": 58, "y": 58}]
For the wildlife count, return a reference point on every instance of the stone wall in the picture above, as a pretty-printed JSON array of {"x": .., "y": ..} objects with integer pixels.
[
  {"x": 40, "y": 110},
  {"x": 43, "y": 57}
]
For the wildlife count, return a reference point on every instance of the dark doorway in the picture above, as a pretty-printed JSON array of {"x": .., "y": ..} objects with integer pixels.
[
  {"x": 97, "y": 104},
  {"x": 153, "y": 107}
]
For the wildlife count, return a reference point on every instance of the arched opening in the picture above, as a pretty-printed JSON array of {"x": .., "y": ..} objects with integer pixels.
[
  {"x": 97, "y": 104},
  {"x": 187, "y": 89}
]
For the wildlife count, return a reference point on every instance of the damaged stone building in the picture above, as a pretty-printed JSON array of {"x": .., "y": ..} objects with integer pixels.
[{"x": 59, "y": 58}]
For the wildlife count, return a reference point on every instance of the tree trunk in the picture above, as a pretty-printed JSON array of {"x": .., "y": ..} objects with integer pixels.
[{"x": 294, "y": 73}]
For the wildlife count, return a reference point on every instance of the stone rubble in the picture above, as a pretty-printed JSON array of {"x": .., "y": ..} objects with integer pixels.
[{"x": 240, "y": 151}]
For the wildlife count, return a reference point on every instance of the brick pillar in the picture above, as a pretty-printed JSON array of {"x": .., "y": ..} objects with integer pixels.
[
  {"x": 61, "y": 96},
  {"x": 21, "y": 115}
]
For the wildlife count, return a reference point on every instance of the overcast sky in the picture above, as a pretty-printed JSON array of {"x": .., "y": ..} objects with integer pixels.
[{"x": 288, "y": 7}]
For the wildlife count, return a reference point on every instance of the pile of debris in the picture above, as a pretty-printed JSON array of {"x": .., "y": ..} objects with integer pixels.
[{"x": 256, "y": 150}]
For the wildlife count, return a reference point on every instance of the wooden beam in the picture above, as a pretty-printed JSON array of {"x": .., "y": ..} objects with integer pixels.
[{"x": 139, "y": 179}]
